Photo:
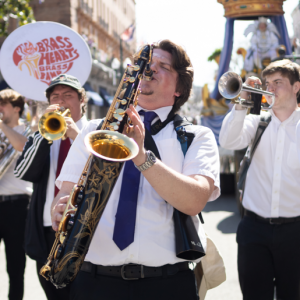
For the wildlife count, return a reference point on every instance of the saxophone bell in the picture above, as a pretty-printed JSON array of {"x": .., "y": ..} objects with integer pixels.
[{"x": 111, "y": 145}]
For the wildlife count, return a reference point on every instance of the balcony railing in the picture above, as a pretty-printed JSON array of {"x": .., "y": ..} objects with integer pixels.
[
  {"x": 86, "y": 8},
  {"x": 103, "y": 23}
]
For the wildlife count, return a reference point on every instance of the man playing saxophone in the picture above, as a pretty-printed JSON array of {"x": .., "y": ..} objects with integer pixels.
[
  {"x": 14, "y": 193},
  {"x": 136, "y": 241},
  {"x": 40, "y": 163}
]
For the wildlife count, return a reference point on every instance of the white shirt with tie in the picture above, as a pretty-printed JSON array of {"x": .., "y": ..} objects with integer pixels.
[
  {"x": 154, "y": 240},
  {"x": 273, "y": 180}
]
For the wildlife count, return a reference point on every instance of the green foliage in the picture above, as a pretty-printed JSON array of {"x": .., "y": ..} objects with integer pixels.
[
  {"x": 17, "y": 9},
  {"x": 216, "y": 53}
]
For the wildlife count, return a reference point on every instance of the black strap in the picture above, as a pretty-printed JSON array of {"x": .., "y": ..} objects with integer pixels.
[
  {"x": 100, "y": 125},
  {"x": 150, "y": 144},
  {"x": 263, "y": 124},
  {"x": 159, "y": 125}
]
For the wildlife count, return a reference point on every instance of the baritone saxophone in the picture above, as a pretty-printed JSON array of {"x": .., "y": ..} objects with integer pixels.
[{"x": 109, "y": 149}]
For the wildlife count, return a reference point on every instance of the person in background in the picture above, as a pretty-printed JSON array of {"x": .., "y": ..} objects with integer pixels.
[
  {"x": 14, "y": 193},
  {"x": 267, "y": 237},
  {"x": 41, "y": 163}
]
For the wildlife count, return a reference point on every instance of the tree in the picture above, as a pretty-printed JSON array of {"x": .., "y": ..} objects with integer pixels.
[{"x": 17, "y": 9}]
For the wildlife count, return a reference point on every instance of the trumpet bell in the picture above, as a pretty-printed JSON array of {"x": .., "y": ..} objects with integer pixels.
[
  {"x": 230, "y": 85},
  {"x": 111, "y": 145},
  {"x": 52, "y": 126}
]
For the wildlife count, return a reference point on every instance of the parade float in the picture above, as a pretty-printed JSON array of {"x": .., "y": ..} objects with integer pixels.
[{"x": 269, "y": 41}]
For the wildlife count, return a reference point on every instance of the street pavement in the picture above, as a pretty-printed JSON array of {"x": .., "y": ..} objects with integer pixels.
[{"x": 221, "y": 219}]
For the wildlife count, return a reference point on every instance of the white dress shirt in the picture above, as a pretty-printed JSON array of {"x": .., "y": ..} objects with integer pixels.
[
  {"x": 54, "y": 152},
  {"x": 9, "y": 184},
  {"x": 154, "y": 240},
  {"x": 273, "y": 180}
]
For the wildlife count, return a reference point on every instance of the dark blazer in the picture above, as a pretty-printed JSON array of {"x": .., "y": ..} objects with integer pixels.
[{"x": 34, "y": 165}]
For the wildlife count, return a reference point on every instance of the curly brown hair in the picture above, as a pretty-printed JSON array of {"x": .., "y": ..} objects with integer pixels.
[
  {"x": 14, "y": 98},
  {"x": 182, "y": 65},
  {"x": 81, "y": 96}
]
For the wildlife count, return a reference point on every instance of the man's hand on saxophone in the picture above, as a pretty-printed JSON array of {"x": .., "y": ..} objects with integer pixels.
[
  {"x": 136, "y": 132},
  {"x": 59, "y": 203}
]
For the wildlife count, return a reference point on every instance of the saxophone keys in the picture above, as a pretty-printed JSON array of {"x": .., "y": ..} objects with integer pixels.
[
  {"x": 122, "y": 101},
  {"x": 58, "y": 251},
  {"x": 62, "y": 237},
  {"x": 120, "y": 111},
  {"x": 114, "y": 126},
  {"x": 118, "y": 117},
  {"x": 136, "y": 68}
]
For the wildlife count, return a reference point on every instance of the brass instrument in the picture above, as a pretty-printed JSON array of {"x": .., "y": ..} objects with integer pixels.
[
  {"x": 231, "y": 85},
  {"x": 7, "y": 152},
  {"x": 52, "y": 125},
  {"x": 109, "y": 150}
]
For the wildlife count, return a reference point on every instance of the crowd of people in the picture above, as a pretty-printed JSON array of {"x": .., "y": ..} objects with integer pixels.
[{"x": 132, "y": 253}]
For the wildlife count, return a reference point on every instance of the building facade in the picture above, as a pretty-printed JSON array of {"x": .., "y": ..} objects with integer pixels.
[{"x": 101, "y": 23}]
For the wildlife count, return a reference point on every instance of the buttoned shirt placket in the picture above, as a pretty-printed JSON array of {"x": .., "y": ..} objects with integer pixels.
[{"x": 277, "y": 171}]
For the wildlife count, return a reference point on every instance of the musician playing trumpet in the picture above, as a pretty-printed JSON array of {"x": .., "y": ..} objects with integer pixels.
[
  {"x": 14, "y": 193},
  {"x": 267, "y": 237},
  {"x": 40, "y": 163},
  {"x": 135, "y": 236}
]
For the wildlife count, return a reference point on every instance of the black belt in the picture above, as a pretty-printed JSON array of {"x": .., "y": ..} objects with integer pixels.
[
  {"x": 14, "y": 197},
  {"x": 134, "y": 272},
  {"x": 272, "y": 221}
]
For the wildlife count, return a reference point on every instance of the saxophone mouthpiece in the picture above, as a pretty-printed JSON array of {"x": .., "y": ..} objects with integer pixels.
[{"x": 148, "y": 73}]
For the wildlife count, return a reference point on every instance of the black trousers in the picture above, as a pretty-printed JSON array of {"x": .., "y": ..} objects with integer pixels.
[
  {"x": 52, "y": 293},
  {"x": 269, "y": 256},
  {"x": 12, "y": 226},
  {"x": 181, "y": 286}
]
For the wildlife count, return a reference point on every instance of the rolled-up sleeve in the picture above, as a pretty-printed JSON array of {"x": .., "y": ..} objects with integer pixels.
[
  {"x": 77, "y": 156},
  {"x": 202, "y": 158}
]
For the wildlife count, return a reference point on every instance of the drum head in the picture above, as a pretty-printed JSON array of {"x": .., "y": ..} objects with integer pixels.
[{"x": 35, "y": 53}]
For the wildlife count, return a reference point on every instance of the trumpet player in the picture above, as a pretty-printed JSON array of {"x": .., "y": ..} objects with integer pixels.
[
  {"x": 40, "y": 163},
  {"x": 14, "y": 193},
  {"x": 267, "y": 237},
  {"x": 140, "y": 239}
]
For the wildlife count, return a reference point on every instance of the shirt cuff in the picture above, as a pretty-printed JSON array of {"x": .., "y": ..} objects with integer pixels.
[
  {"x": 216, "y": 192},
  {"x": 66, "y": 177},
  {"x": 238, "y": 115}
]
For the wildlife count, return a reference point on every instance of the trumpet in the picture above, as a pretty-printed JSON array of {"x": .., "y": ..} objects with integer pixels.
[
  {"x": 52, "y": 125},
  {"x": 231, "y": 85}
]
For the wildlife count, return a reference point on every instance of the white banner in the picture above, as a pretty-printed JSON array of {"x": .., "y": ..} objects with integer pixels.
[{"x": 35, "y": 53}]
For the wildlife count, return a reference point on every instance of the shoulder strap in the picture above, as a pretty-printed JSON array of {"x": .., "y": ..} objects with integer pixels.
[
  {"x": 184, "y": 132},
  {"x": 263, "y": 124},
  {"x": 185, "y": 136},
  {"x": 100, "y": 125}
]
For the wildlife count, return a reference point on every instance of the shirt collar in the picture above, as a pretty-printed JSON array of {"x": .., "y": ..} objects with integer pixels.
[
  {"x": 162, "y": 112},
  {"x": 80, "y": 123}
]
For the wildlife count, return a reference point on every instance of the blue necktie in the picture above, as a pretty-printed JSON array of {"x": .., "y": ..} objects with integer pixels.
[{"x": 126, "y": 213}]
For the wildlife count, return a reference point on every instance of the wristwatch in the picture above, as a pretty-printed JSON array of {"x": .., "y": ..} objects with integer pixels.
[{"x": 150, "y": 161}]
